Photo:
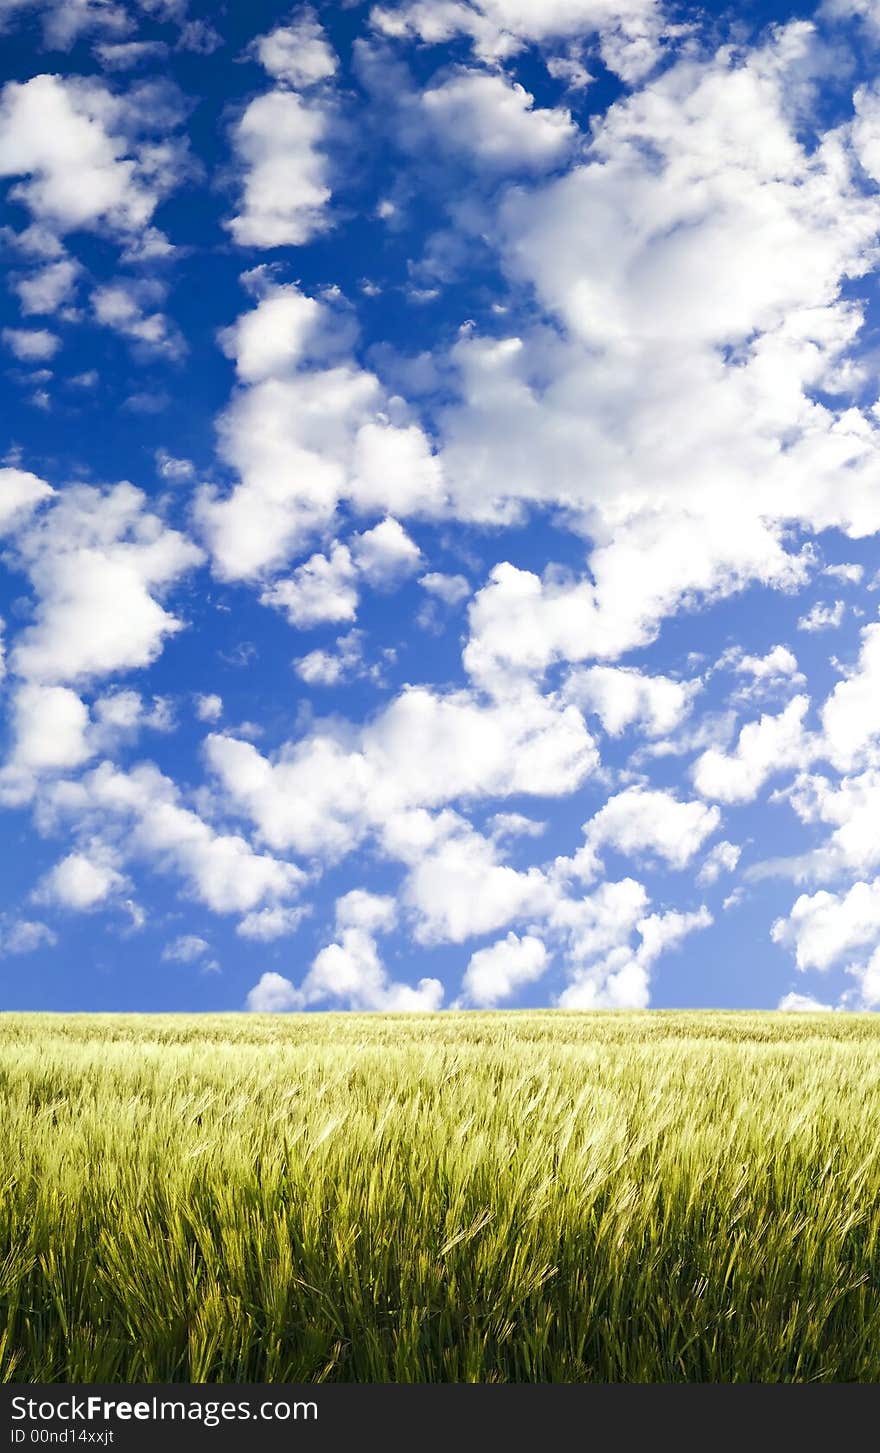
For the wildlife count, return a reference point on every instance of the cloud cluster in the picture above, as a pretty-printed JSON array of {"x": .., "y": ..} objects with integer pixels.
[
  {"x": 306, "y": 430},
  {"x": 638, "y": 388}
]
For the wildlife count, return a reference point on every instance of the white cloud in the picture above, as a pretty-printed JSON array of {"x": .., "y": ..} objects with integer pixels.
[
  {"x": 488, "y": 118},
  {"x": 451, "y": 589},
  {"x": 722, "y": 859},
  {"x": 457, "y": 888},
  {"x": 495, "y": 973},
  {"x": 48, "y": 289},
  {"x": 141, "y": 813},
  {"x": 53, "y": 731},
  {"x": 20, "y": 493},
  {"x": 279, "y": 143},
  {"x": 677, "y": 426},
  {"x": 852, "y": 808},
  {"x": 209, "y": 707},
  {"x": 629, "y": 29},
  {"x": 851, "y": 715},
  {"x": 622, "y": 697},
  {"x": 571, "y": 71},
  {"x": 801, "y": 1004},
  {"x": 372, "y": 912},
  {"x": 168, "y": 467},
  {"x": 186, "y": 949},
  {"x": 823, "y": 617},
  {"x": 331, "y": 668},
  {"x": 297, "y": 53},
  {"x": 622, "y": 979},
  {"x": 326, "y": 791},
  {"x": 95, "y": 561},
  {"x": 273, "y": 994},
  {"x": 394, "y": 468},
  {"x": 515, "y": 824},
  {"x": 846, "y": 574},
  {"x": 308, "y": 430},
  {"x": 824, "y": 927},
  {"x": 864, "y": 10},
  {"x": 386, "y": 554},
  {"x": 263, "y": 925},
  {"x": 50, "y": 725},
  {"x": 79, "y": 883},
  {"x": 71, "y": 138},
  {"x": 322, "y": 589},
  {"x": 778, "y": 662},
  {"x": 31, "y": 345},
  {"x": 120, "y": 714},
  {"x": 593, "y": 924},
  {"x": 125, "y": 54},
  {"x": 350, "y": 969},
  {"x": 275, "y": 336},
  {"x": 773, "y": 744},
  {"x": 640, "y": 821},
  {"x": 64, "y": 21},
  {"x": 25, "y": 936},
  {"x": 123, "y": 307}
]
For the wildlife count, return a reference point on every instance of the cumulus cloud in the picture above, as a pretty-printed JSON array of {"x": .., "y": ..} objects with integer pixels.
[
  {"x": 307, "y": 430},
  {"x": 297, "y": 53},
  {"x": 350, "y": 970},
  {"x": 386, "y": 554},
  {"x": 641, "y": 821},
  {"x": 264, "y": 925},
  {"x": 493, "y": 121},
  {"x": 25, "y": 936},
  {"x": 823, "y": 928},
  {"x": 285, "y": 191},
  {"x": 97, "y": 561},
  {"x": 629, "y": 30},
  {"x": 823, "y": 617},
  {"x": 850, "y": 807},
  {"x": 31, "y": 345},
  {"x": 622, "y": 979},
  {"x": 451, "y": 589},
  {"x": 141, "y": 816},
  {"x": 186, "y": 949},
  {"x": 772, "y": 744},
  {"x": 50, "y": 726},
  {"x": 47, "y": 289},
  {"x": 273, "y": 994},
  {"x": 622, "y": 697},
  {"x": 331, "y": 668},
  {"x": 209, "y": 707},
  {"x": 326, "y": 791},
  {"x": 321, "y": 589},
  {"x": 801, "y": 1004},
  {"x": 778, "y": 662},
  {"x": 723, "y": 858},
  {"x": 635, "y": 387},
  {"x": 128, "y": 309},
  {"x": 79, "y": 883},
  {"x": 79, "y": 149},
  {"x": 495, "y": 973},
  {"x": 20, "y": 493},
  {"x": 851, "y": 715},
  {"x": 458, "y": 887}
]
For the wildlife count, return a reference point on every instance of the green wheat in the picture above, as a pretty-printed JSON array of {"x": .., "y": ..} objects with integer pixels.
[{"x": 467, "y": 1197}]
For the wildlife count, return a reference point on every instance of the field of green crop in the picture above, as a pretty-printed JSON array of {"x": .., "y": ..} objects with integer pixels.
[{"x": 466, "y": 1197}]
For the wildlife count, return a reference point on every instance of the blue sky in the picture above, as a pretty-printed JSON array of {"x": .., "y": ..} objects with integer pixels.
[{"x": 439, "y": 490}]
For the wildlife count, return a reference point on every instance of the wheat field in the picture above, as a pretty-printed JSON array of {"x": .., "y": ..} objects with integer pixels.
[{"x": 532, "y": 1196}]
